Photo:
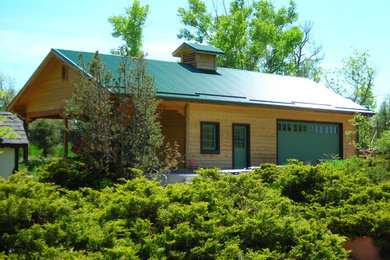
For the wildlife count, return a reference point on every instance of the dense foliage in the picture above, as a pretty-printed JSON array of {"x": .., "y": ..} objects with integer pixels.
[
  {"x": 291, "y": 212},
  {"x": 352, "y": 199},
  {"x": 382, "y": 118},
  {"x": 5, "y": 132},
  {"x": 355, "y": 80},
  {"x": 45, "y": 133},
  {"x": 371, "y": 135},
  {"x": 216, "y": 216},
  {"x": 255, "y": 35},
  {"x": 71, "y": 174},
  {"x": 116, "y": 118},
  {"x": 129, "y": 27},
  {"x": 7, "y": 91}
]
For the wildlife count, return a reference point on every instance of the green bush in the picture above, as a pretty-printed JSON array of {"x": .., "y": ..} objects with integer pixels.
[
  {"x": 291, "y": 212},
  {"x": 45, "y": 133},
  {"x": 219, "y": 216},
  {"x": 382, "y": 144},
  {"x": 71, "y": 174},
  {"x": 352, "y": 197}
]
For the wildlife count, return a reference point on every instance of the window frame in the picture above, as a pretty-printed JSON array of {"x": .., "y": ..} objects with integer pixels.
[{"x": 217, "y": 136}]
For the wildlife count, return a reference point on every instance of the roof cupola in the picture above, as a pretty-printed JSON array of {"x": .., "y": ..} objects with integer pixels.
[{"x": 198, "y": 55}]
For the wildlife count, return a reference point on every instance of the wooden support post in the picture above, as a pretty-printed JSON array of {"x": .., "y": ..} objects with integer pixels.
[
  {"x": 187, "y": 135},
  {"x": 25, "y": 148},
  {"x": 16, "y": 167},
  {"x": 66, "y": 150}
]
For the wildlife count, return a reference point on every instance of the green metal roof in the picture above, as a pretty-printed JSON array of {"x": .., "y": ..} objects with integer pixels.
[
  {"x": 182, "y": 81},
  {"x": 201, "y": 48}
]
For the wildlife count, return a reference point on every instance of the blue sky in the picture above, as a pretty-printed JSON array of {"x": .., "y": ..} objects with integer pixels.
[{"x": 29, "y": 29}]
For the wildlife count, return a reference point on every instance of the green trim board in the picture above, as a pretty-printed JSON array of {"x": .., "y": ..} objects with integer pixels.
[{"x": 307, "y": 141}]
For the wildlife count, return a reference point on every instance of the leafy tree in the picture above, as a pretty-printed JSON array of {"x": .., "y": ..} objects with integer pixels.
[
  {"x": 382, "y": 118},
  {"x": 307, "y": 56},
  {"x": 354, "y": 80},
  {"x": 145, "y": 131},
  {"x": 116, "y": 118},
  {"x": 129, "y": 27},
  {"x": 382, "y": 144},
  {"x": 90, "y": 107},
  {"x": 254, "y": 35},
  {"x": 5, "y": 132},
  {"x": 364, "y": 132},
  {"x": 45, "y": 133},
  {"x": 8, "y": 92}
]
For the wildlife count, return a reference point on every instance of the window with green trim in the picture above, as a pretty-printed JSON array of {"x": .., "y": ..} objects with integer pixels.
[{"x": 209, "y": 139}]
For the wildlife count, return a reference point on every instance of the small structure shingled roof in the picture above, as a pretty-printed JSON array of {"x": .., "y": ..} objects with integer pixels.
[
  {"x": 11, "y": 120},
  {"x": 183, "y": 81}
]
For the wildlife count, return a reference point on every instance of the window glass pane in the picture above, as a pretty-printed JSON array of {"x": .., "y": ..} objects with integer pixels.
[{"x": 209, "y": 137}]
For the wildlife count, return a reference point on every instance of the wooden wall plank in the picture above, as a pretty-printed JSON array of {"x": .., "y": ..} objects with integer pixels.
[{"x": 262, "y": 122}]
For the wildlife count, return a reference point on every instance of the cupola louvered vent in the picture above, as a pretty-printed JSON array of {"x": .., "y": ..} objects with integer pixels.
[{"x": 188, "y": 58}]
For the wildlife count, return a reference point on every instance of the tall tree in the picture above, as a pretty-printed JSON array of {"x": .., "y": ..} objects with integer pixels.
[
  {"x": 90, "y": 107},
  {"x": 45, "y": 133},
  {"x": 7, "y": 87},
  {"x": 354, "y": 80},
  {"x": 129, "y": 27},
  {"x": 136, "y": 92},
  {"x": 382, "y": 118},
  {"x": 116, "y": 118},
  {"x": 254, "y": 35},
  {"x": 307, "y": 56}
]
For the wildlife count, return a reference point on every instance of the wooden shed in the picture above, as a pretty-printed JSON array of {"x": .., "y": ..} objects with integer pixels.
[
  {"x": 220, "y": 117},
  {"x": 9, "y": 158}
]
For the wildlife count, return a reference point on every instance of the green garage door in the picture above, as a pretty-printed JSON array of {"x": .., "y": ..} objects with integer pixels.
[{"x": 307, "y": 141}]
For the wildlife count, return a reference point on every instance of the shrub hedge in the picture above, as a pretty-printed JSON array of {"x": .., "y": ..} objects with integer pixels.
[
  {"x": 352, "y": 199},
  {"x": 216, "y": 216},
  {"x": 292, "y": 212}
]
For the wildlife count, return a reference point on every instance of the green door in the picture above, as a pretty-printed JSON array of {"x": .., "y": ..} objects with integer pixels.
[
  {"x": 308, "y": 141},
  {"x": 240, "y": 146}
]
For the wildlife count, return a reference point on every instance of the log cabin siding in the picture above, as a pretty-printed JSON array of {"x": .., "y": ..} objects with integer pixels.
[
  {"x": 48, "y": 90},
  {"x": 263, "y": 130}
]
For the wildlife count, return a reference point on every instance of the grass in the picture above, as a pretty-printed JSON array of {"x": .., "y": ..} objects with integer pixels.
[
  {"x": 36, "y": 158},
  {"x": 338, "y": 164}
]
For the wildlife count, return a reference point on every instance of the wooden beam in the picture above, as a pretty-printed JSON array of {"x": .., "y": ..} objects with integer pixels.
[
  {"x": 16, "y": 167},
  {"x": 25, "y": 148},
  {"x": 66, "y": 150},
  {"x": 53, "y": 113},
  {"x": 187, "y": 136}
]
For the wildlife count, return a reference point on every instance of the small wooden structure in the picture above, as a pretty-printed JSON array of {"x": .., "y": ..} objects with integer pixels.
[{"x": 9, "y": 158}]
